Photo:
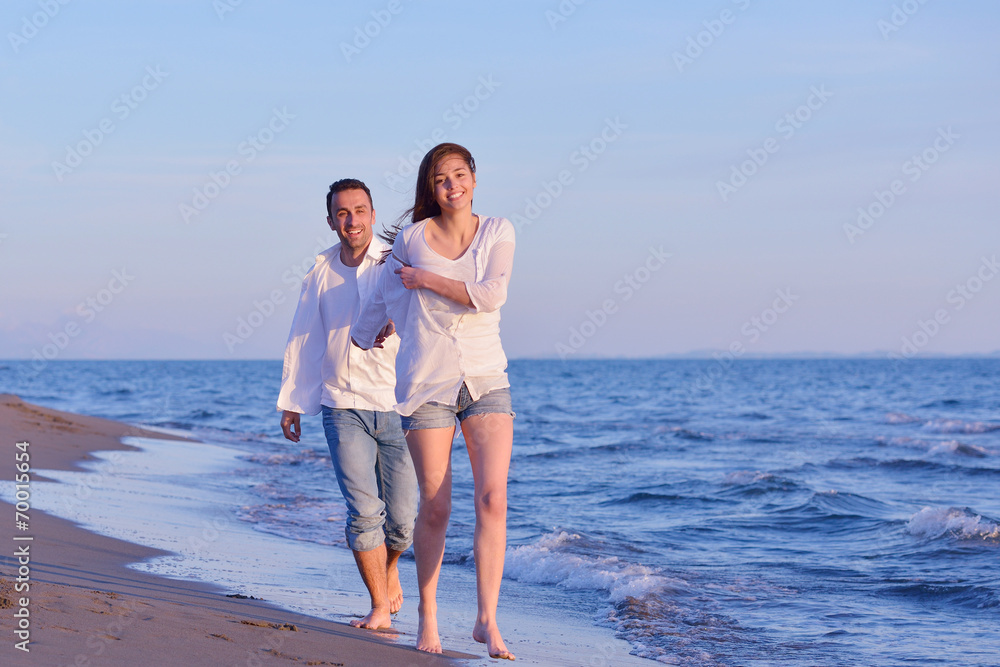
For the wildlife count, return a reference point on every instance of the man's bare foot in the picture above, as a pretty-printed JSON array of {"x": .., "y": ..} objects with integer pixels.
[
  {"x": 395, "y": 589},
  {"x": 427, "y": 633},
  {"x": 490, "y": 635},
  {"x": 377, "y": 618}
]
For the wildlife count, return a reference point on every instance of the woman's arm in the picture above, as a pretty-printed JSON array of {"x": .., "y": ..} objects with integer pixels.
[
  {"x": 486, "y": 295},
  {"x": 455, "y": 290}
]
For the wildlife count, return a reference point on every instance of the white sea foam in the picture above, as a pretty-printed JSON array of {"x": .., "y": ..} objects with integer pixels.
[
  {"x": 932, "y": 522},
  {"x": 744, "y": 477},
  {"x": 959, "y": 426},
  {"x": 956, "y": 447},
  {"x": 550, "y": 561},
  {"x": 182, "y": 498},
  {"x": 934, "y": 447}
]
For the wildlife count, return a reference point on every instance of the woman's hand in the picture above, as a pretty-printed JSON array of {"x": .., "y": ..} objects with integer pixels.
[{"x": 413, "y": 278}]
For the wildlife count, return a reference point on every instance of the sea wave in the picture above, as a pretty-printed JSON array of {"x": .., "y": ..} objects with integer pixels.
[
  {"x": 749, "y": 483},
  {"x": 548, "y": 561},
  {"x": 950, "y": 594},
  {"x": 663, "y": 617},
  {"x": 959, "y": 426},
  {"x": 687, "y": 434},
  {"x": 901, "y": 418},
  {"x": 961, "y": 448},
  {"x": 303, "y": 519},
  {"x": 743, "y": 477},
  {"x": 960, "y": 523},
  {"x": 934, "y": 447},
  {"x": 760, "y": 416},
  {"x": 931, "y": 465},
  {"x": 942, "y": 425},
  {"x": 301, "y": 457}
]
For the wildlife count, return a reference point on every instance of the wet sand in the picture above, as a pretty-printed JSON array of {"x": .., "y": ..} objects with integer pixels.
[{"x": 86, "y": 607}]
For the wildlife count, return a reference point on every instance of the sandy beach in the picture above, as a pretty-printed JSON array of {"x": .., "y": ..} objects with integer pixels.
[{"x": 79, "y": 603}]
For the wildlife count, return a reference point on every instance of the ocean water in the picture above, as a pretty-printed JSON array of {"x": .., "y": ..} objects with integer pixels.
[{"x": 760, "y": 512}]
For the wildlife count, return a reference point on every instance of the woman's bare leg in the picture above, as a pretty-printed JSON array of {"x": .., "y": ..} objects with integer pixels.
[
  {"x": 430, "y": 450},
  {"x": 489, "y": 440}
]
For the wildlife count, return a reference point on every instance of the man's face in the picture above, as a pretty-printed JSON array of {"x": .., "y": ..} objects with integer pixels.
[{"x": 352, "y": 217}]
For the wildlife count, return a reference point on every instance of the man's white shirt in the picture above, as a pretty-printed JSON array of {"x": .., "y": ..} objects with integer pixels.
[{"x": 321, "y": 366}]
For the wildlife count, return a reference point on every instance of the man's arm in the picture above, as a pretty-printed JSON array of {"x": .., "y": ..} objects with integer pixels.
[
  {"x": 373, "y": 323},
  {"x": 301, "y": 377}
]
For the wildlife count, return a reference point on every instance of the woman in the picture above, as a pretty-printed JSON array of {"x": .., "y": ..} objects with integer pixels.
[{"x": 453, "y": 268}]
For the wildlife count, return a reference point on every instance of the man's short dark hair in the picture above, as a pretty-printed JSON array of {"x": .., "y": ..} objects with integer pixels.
[{"x": 346, "y": 184}]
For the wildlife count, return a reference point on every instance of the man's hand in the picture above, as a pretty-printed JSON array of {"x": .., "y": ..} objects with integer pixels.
[
  {"x": 290, "y": 425},
  {"x": 386, "y": 331}
]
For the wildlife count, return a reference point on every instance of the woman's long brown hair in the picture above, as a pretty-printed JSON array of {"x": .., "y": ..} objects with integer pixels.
[{"x": 424, "y": 204}]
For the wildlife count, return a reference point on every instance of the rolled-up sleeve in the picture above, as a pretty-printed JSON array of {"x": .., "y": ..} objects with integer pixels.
[
  {"x": 488, "y": 294},
  {"x": 301, "y": 376}
]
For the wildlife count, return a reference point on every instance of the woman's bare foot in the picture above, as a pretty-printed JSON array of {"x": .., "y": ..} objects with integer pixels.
[
  {"x": 427, "y": 633},
  {"x": 490, "y": 635},
  {"x": 395, "y": 589},
  {"x": 378, "y": 617}
]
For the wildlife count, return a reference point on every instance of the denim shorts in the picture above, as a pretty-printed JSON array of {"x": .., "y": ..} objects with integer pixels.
[{"x": 439, "y": 415}]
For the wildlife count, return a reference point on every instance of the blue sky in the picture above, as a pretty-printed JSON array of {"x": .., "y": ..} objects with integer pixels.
[{"x": 164, "y": 167}]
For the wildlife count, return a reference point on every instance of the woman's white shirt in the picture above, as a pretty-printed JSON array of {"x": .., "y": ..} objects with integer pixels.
[{"x": 443, "y": 343}]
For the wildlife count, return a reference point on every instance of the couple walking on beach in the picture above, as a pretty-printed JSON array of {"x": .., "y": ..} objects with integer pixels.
[{"x": 393, "y": 342}]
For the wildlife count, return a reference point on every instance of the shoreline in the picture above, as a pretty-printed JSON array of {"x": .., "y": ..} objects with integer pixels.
[{"x": 86, "y": 606}]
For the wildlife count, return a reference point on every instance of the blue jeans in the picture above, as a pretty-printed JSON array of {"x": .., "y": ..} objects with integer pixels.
[{"x": 376, "y": 476}]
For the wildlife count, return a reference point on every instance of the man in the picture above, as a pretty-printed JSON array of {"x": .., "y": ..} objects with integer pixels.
[{"x": 354, "y": 389}]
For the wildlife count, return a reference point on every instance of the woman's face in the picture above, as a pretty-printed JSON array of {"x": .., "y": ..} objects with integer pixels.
[{"x": 454, "y": 183}]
